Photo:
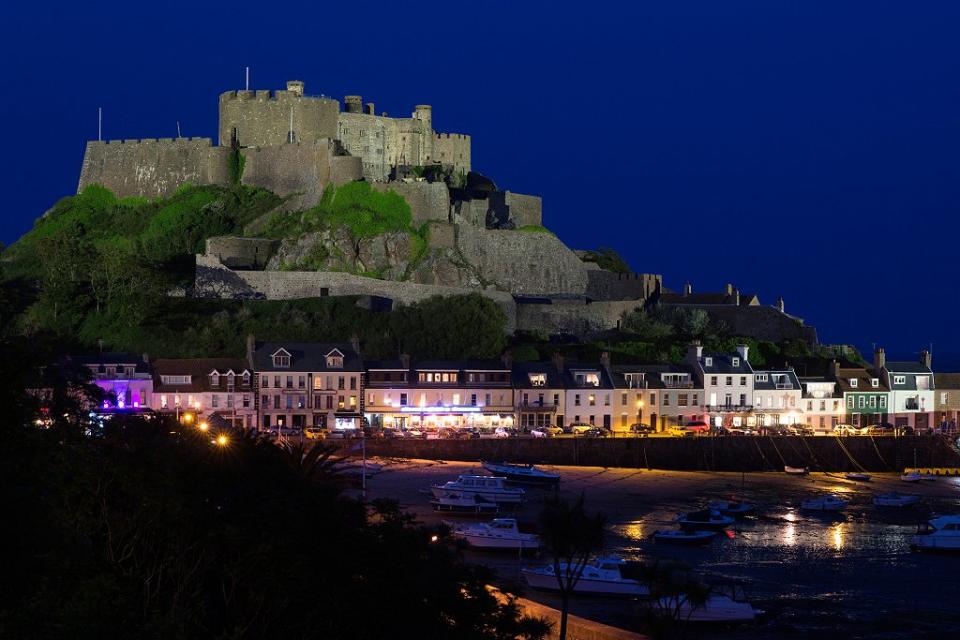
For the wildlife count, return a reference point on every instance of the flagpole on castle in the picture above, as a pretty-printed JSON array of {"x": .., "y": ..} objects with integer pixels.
[{"x": 99, "y": 124}]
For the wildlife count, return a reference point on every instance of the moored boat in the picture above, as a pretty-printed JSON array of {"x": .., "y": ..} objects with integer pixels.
[
  {"x": 938, "y": 534},
  {"x": 717, "y": 608},
  {"x": 796, "y": 471},
  {"x": 490, "y": 488},
  {"x": 824, "y": 503},
  {"x": 894, "y": 499},
  {"x": 522, "y": 473},
  {"x": 859, "y": 477},
  {"x": 459, "y": 502},
  {"x": 732, "y": 508},
  {"x": 705, "y": 519},
  {"x": 602, "y": 576},
  {"x": 501, "y": 533},
  {"x": 911, "y": 477},
  {"x": 680, "y": 536}
]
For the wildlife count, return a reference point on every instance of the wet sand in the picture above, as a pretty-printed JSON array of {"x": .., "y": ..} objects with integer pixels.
[{"x": 849, "y": 574}]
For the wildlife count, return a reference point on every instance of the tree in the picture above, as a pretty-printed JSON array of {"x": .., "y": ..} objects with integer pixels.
[
  {"x": 570, "y": 536},
  {"x": 672, "y": 588}
]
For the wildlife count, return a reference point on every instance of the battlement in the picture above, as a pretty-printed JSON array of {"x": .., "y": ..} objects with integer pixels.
[
  {"x": 183, "y": 142},
  {"x": 451, "y": 136},
  {"x": 264, "y": 95}
]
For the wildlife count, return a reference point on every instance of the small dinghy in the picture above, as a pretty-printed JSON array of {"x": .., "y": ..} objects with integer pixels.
[
  {"x": 522, "y": 473},
  {"x": 796, "y": 471},
  {"x": 464, "y": 503},
  {"x": 911, "y": 477},
  {"x": 733, "y": 508},
  {"x": 705, "y": 519},
  {"x": 894, "y": 499},
  {"x": 680, "y": 536},
  {"x": 824, "y": 503},
  {"x": 502, "y": 533},
  {"x": 858, "y": 477}
]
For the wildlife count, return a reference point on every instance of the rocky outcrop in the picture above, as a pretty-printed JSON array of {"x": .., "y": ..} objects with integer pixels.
[{"x": 386, "y": 256}]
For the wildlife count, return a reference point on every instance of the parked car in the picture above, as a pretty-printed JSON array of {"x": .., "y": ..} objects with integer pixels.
[
  {"x": 637, "y": 429},
  {"x": 539, "y": 433},
  {"x": 578, "y": 428},
  {"x": 286, "y": 431},
  {"x": 885, "y": 429},
  {"x": 553, "y": 430},
  {"x": 314, "y": 433},
  {"x": 799, "y": 430},
  {"x": 503, "y": 432},
  {"x": 850, "y": 430},
  {"x": 413, "y": 433},
  {"x": 466, "y": 434},
  {"x": 596, "y": 432}
]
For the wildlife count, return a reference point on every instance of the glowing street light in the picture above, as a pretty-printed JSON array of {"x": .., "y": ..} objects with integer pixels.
[
  {"x": 203, "y": 426},
  {"x": 223, "y": 440}
]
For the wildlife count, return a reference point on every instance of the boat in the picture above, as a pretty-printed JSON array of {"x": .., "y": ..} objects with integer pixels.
[
  {"x": 466, "y": 503},
  {"x": 796, "y": 471},
  {"x": 705, "y": 519},
  {"x": 680, "y": 536},
  {"x": 824, "y": 503},
  {"x": 717, "y": 608},
  {"x": 938, "y": 534},
  {"x": 894, "y": 499},
  {"x": 732, "y": 508},
  {"x": 859, "y": 477},
  {"x": 501, "y": 533},
  {"x": 522, "y": 473},
  {"x": 927, "y": 477},
  {"x": 601, "y": 576},
  {"x": 911, "y": 477},
  {"x": 491, "y": 488}
]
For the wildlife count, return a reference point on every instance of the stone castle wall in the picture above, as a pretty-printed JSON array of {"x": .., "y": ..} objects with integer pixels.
[
  {"x": 606, "y": 285},
  {"x": 153, "y": 167},
  {"x": 524, "y": 210},
  {"x": 574, "y": 316},
  {"x": 443, "y": 235},
  {"x": 304, "y": 169},
  {"x": 453, "y": 149},
  {"x": 429, "y": 201},
  {"x": 244, "y": 253},
  {"x": 262, "y": 118}
]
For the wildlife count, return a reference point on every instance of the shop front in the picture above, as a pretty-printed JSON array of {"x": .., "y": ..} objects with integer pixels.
[{"x": 435, "y": 418}]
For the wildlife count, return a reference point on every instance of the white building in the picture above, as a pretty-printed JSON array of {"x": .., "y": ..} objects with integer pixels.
[
  {"x": 727, "y": 383},
  {"x": 911, "y": 384},
  {"x": 822, "y": 408},
  {"x": 776, "y": 398}
]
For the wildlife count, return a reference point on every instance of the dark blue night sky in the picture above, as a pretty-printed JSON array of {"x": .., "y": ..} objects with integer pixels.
[{"x": 796, "y": 148}]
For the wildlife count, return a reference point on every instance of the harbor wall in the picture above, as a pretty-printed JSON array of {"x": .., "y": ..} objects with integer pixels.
[{"x": 690, "y": 454}]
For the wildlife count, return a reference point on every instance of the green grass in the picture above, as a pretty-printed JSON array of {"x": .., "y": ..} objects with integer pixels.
[{"x": 534, "y": 228}]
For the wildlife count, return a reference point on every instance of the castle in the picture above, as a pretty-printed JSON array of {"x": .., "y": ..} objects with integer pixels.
[{"x": 480, "y": 239}]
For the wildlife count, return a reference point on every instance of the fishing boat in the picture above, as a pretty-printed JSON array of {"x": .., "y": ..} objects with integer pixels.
[
  {"x": 490, "y": 488},
  {"x": 680, "y": 536},
  {"x": 705, "y": 519},
  {"x": 732, "y": 508},
  {"x": 894, "y": 499},
  {"x": 824, "y": 503},
  {"x": 938, "y": 534},
  {"x": 911, "y": 477},
  {"x": 522, "y": 473},
  {"x": 501, "y": 533},
  {"x": 717, "y": 608},
  {"x": 796, "y": 471},
  {"x": 463, "y": 503},
  {"x": 858, "y": 477},
  {"x": 602, "y": 576}
]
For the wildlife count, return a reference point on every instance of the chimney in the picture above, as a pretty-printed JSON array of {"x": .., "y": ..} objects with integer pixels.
[
  {"x": 780, "y": 304},
  {"x": 729, "y": 289},
  {"x": 353, "y": 104},
  {"x": 405, "y": 360},
  {"x": 507, "y": 359},
  {"x": 605, "y": 359},
  {"x": 687, "y": 289},
  {"x": 834, "y": 370},
  {"x": 744, "y": 351},
  {"x": 557, "y": 359},
  {"x": 371, "y": 110},
  {"x": 879, "y": 359},
  {"x": 355, "y": 343},
  {"x": 926, "y": 358},
  {"x": 694, "y": 351},
  {"x": 251, "y": 347},
  {"x": 146, "y": 358},
  {"x": 736, "y": 297}
]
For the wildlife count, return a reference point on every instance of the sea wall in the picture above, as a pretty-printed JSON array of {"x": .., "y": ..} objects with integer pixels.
[{"x": 689, "y": 454}]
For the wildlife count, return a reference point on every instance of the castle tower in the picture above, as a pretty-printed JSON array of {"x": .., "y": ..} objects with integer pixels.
[
  {"x": 263, "y": 118},
  {"x": 295, "y": 87},
  {"x": 353, "y": 104},
  {"x": 424, "y": 113}
]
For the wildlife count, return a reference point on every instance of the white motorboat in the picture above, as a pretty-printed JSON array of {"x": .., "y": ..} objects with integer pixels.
[
  {"x": 796, "y": 471},
  {"x": 522, "y": 473},
  {"x": 858, "y": 477},
  {"x": 502, "y": 533},
  {"x": 824, "y": 503},
  {"x": 465, "y": 503},
  {"x": 939, "y": 534},
  {"x": 679, "y": 536},
  {"x": 705, "y": 519},
  {"x": 928, "y": 477},
  {"x": 490, "y": 488},
  {"x": 732, "y": 508},
  {"x": 717, "y": 609},
  {"x": 603, "y": 576},
  {"x": 911, "y": 477},
  {"x": 894, "y": 499}
]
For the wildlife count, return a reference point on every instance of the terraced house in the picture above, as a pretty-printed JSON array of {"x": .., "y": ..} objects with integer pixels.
[
  {"x": 727, "y": 382},
  {"x": 659, "y": 395},
  {"x": 821, "y": 403},
  {"x": 911, "y": 389},
  {"x": 589, "y": 396},
  {"x": 206, "y": 386},
  {"x": 776, "y": 398},
  {"x": 866, "y": 397},
  {"x": 539, "y": 393}
]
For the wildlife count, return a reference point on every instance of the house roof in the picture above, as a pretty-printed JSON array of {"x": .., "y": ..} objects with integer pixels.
[
  {"x": 863, "y": 378},
  {"x": 770, "y": 383},
  {"x": 460, "y": 365},
  {"x": 708, "y": 298},
  {"x": 651, "y": 374},
  {"x": 305, "y": 356},
  {"x": 115, "y": 358},
  {"x": 199, "y": 370},
  {"x": 520, "y": 375},
  {"x": 569, "y": 375},
  {"x": 722, "y": 363},
  {"x": 906, "y": 367},
  {"x": 947, "y": 380}
]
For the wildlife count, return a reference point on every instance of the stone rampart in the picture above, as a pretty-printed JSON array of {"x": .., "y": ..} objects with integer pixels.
[
  {"x": 524, "y": 263},
  {"x": 524, "y": 210},
  {"x": 452, "y": 149},
  {"x": 301, "y": 169},
  {"x": 243, "y": 253},
  {"x": 152, "y": 167},
  {"x": 443, "y": 235},
  {"x": 428, "y": 201},
  {"x": 574, "y": 316},
  {"x": 263, "y": 118},
  {"x": 688, "y": 454},
  {"x": 607, "y": 285},
  {"x": 213, "y": 279}
]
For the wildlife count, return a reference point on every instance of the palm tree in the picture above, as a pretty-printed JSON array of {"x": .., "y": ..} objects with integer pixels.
[
  {"x": 570, "y": 536},
  {"x": 672, "y": 587}
]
